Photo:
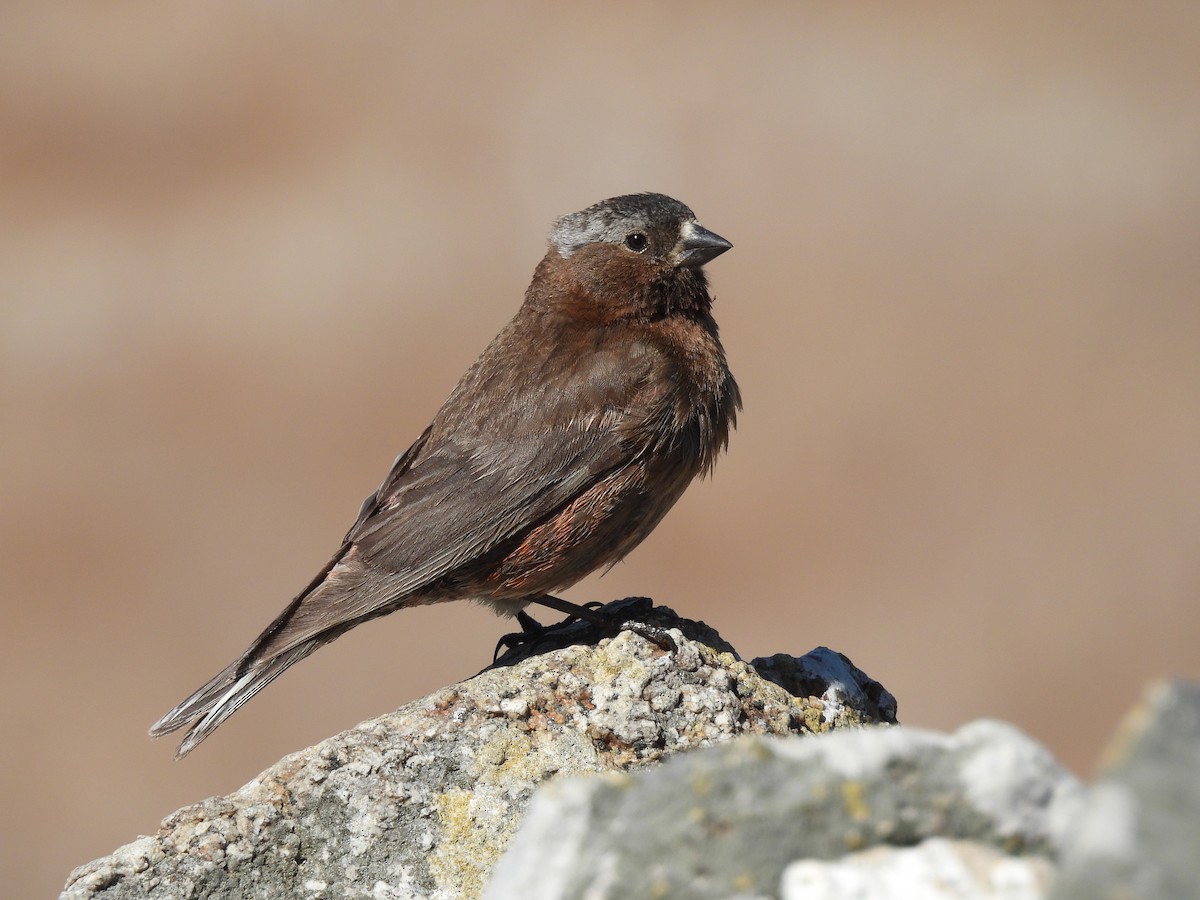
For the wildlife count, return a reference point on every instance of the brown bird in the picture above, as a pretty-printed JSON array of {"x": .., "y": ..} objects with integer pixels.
[{"x": 558, "y": 452}]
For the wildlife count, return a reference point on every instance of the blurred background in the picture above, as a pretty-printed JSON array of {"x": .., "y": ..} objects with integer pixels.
[{"x": 246, "y": 251}]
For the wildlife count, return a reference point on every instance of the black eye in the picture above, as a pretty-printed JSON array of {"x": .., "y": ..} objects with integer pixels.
[{"x": 636, "y": 241}]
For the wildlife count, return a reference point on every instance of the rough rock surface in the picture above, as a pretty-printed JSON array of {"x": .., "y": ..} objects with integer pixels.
[
  {"x": 727, "y": 821},
  {"x": 879, "y": 814},
  {"x": 421, "y": 802},
  {"x": 1139, "y": 835}
]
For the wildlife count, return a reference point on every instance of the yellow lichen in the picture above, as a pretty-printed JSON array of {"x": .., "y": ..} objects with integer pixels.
[
  {"x": 465, "y": 854},
  {"x": 855, "y": 801}
]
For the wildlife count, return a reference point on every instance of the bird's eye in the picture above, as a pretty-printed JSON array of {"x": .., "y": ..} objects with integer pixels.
[{"x": 636, "y": 241}]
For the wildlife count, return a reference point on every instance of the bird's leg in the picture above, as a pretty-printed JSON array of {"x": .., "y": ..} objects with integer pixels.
[
  {"x": 531, "y": 629},
  {"x": 573, "y": 610},
  {"x": 652, "y": 633},
  {"x": 529, "y": 625}
]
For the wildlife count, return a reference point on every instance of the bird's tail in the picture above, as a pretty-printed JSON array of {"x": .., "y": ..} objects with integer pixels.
[{"x": 212, "y": 704}]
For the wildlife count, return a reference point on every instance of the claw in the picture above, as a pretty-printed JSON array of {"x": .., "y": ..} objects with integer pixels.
[
  {"x": 660, "y": 637},
  {"x": 531, "y": 629},
  {"x": 532, "y": 632}
]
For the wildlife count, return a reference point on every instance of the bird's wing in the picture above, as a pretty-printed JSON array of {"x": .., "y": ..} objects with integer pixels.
[
  {"x": 472, "y": 485},
  {"x": 461, "y": 502},
  {"x": 513, "y": 445},
  {"x": 445, "y": 510},
  {"x": 441, "y": 507}
]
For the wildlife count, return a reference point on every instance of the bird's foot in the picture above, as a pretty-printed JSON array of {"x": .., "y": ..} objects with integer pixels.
[
  {"x": 531, "y": 631},
  {"x": 533, "y": 634}
]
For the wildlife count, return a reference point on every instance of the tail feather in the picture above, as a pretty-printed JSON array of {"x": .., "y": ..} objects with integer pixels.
[
  {"x": 197, "y": 704},
  {"x": 342, "y": 595},
  {"x": 221, "y": 697}
]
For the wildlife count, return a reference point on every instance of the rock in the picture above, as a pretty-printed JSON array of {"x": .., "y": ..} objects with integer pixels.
[
  {"x": 727, "y": 821},
  {"x": 935, "y": 869},
  {"x": 1139, "y": 834},
  {"x": 831, "y": 676},
  {"x": 421, "y": 802}
]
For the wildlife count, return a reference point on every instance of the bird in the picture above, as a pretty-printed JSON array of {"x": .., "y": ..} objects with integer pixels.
[{"x": 558, "y": 452}]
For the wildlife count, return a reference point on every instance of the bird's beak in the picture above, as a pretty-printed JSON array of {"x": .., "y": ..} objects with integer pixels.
[{"x": 698, "y": 245}]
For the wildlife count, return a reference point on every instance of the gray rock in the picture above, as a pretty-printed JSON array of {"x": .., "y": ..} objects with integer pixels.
[
  {"x": 1139, "y": 834},
  {"x": 728, "y": 820},
  {"x": 935, "y": 869},
  {"x": 421, "y": 802}
]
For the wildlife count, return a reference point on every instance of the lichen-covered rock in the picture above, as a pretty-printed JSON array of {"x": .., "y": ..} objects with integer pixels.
[
  {"x": 421, "y": 802},
  {"x": 727, "y": 821}
]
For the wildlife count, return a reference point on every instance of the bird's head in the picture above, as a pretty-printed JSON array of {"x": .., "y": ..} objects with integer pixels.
[{"x": 637, "y": 254}]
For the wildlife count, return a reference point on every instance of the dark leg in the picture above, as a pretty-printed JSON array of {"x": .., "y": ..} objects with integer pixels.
[
  {"x": 531, "y": 630},
  {"x": 573, "y": 610},
  {"x": 528, "y": 623},
  {"x": 655, "y": 635}
]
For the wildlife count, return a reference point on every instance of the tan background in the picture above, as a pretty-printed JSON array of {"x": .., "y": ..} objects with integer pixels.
[{"x": 245, "y": 251}]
